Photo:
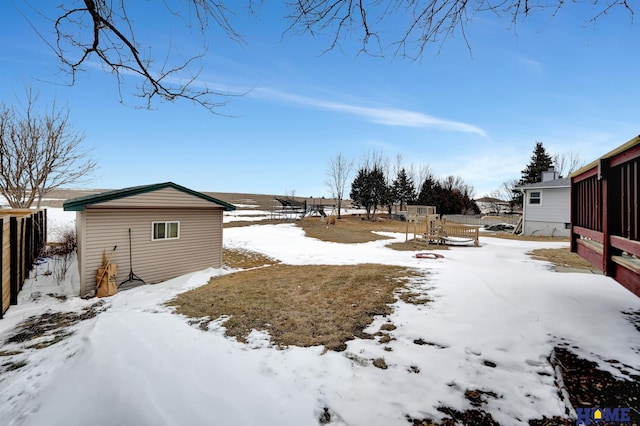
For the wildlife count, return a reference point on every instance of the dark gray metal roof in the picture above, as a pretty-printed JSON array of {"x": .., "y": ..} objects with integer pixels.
[
  {"x": 556, "y": 183},
  {"x": 79, "y": 203}
]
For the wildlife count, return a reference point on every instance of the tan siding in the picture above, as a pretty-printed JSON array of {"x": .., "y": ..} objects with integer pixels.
[
  {"x": 199, "y": 245},
  {"x": 166, "y": 197},
  {"x": 81, "y": 242}
]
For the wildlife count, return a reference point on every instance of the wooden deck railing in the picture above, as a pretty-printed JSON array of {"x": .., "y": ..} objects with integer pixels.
[{"x": 605, "y": 221}]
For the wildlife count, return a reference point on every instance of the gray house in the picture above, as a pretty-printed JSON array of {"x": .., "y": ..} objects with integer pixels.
[
  {"x": 546, "y": 206},
  {"x": 165, "y": 229}
]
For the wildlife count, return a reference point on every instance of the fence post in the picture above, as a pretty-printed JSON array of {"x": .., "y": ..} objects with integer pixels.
[
  {"x": 1, "y": 269},
  {"x": 13, "y": 262},
  {"x": 28, "y": 243},
  {"x": 45, "y": 234},
  {"x": 42, "y": 230},
  {"x": 604, "y": 177},
  {"x": 573, "y": 197},
  {"x": 23, "y": 254}
]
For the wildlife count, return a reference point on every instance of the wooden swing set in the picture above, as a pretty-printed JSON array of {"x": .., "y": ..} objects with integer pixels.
[{"x": 430, "y": 228}]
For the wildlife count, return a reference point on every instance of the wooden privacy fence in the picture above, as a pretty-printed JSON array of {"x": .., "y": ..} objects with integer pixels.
[
  {"x": 605, "y": 222},
  {"x": 23, "y": 234}
]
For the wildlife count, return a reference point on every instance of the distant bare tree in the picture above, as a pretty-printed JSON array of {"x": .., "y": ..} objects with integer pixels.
[
  {"x": 338, "y": 177},
  {"x": 290, "y": 193},
  {"x": 567, "y": 162},
  {"x": 39, "y": 151},
  {"x": 419, "y": 174},
  {"x": 452, "y": 182},
  {"x": 373, "y": 159},
  {"x": 505, "y": 193},
  {"x": 496, "y": 203}
]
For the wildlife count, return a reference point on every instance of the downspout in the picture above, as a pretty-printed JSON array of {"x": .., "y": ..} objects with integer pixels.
[{"x": 524, "y": 210}]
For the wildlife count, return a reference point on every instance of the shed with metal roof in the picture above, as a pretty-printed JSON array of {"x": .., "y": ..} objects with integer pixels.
[{"x": 159, "y": 232}]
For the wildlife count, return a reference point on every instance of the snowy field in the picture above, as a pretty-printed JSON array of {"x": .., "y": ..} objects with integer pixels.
[{"x": 495, "y": 317}]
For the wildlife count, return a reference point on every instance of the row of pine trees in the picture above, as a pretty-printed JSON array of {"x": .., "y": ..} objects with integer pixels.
[
  {"x": 450, "y": 195},
  {"x": 372, "y": 190}
]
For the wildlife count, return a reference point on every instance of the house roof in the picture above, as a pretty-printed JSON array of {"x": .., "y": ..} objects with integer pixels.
[
  {"x": 490, "y": 200},
  {"x": 79, "y": 203},
  {"x": 622, "y": 148},
  {"x": 556, "y": 183}
]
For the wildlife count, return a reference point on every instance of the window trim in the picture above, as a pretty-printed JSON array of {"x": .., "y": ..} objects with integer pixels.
[
  {"x": 166, "y": 224},
  {"x": 530, "y": 198}
]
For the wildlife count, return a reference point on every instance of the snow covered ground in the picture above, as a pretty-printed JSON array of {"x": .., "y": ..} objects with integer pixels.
[{"x": 495, "y": 316}]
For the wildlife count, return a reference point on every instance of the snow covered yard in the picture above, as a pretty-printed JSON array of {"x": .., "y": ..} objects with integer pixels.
[{"x": 494, "y": 318}]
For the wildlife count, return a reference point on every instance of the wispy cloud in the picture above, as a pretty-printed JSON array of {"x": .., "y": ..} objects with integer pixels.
[
  {"x": 530, "y": 64},
  {"x": 385, "y": 116}
]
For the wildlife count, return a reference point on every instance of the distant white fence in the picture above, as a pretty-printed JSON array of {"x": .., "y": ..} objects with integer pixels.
[{"x": 481, "y": 220}]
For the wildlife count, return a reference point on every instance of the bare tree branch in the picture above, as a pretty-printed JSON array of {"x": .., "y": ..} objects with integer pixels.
[
  {"x": 426, "y": 22},
  {"x": 566, "y": 163},
  {"x": 103, "y": 31}
]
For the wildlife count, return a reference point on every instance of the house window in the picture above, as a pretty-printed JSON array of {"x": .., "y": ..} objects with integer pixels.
[
  {"x": 535, "y": 197},
  {"x": 165, "y": 231}
]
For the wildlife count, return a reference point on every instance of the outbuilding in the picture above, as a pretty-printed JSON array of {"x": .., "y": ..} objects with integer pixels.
[{"x": 155, "y": 232}]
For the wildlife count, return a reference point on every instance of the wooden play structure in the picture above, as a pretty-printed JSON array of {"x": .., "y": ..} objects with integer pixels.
[
  {"x": 415, "y": 216},
  {"x": 430, "y": 228}
]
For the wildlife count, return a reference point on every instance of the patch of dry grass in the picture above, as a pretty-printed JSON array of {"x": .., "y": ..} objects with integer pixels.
[
  {"x": 510, "y": 236},
  {"x": 380, "y": 363},
  {"x": 411, "y": 245},
  {"x": 298, "y": 305},
  {"x": 241, "y": 223},
  {"x": 12, "y": 366},
  {"x": 49, "y": 328},
  {"x": 350, "y": 229},
  {"x": 561, "y": 257},
  {"x": 245, "y": 259}
]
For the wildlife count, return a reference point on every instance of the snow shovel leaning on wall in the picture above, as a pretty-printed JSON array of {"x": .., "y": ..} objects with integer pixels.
[{"x": 106, "y": 277}]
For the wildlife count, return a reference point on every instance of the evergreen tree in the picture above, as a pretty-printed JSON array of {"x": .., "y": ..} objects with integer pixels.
[
  {"x": 540, "y": 162},
  {"x": 428, "y": 195},
  {"x": 404, "y": 191},
  {"x": 369, "y": 189},
  {"x": 449, "y": 195}
]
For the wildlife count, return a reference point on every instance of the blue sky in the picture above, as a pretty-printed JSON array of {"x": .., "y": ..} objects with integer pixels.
[{"x": 474, "y": 113}]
